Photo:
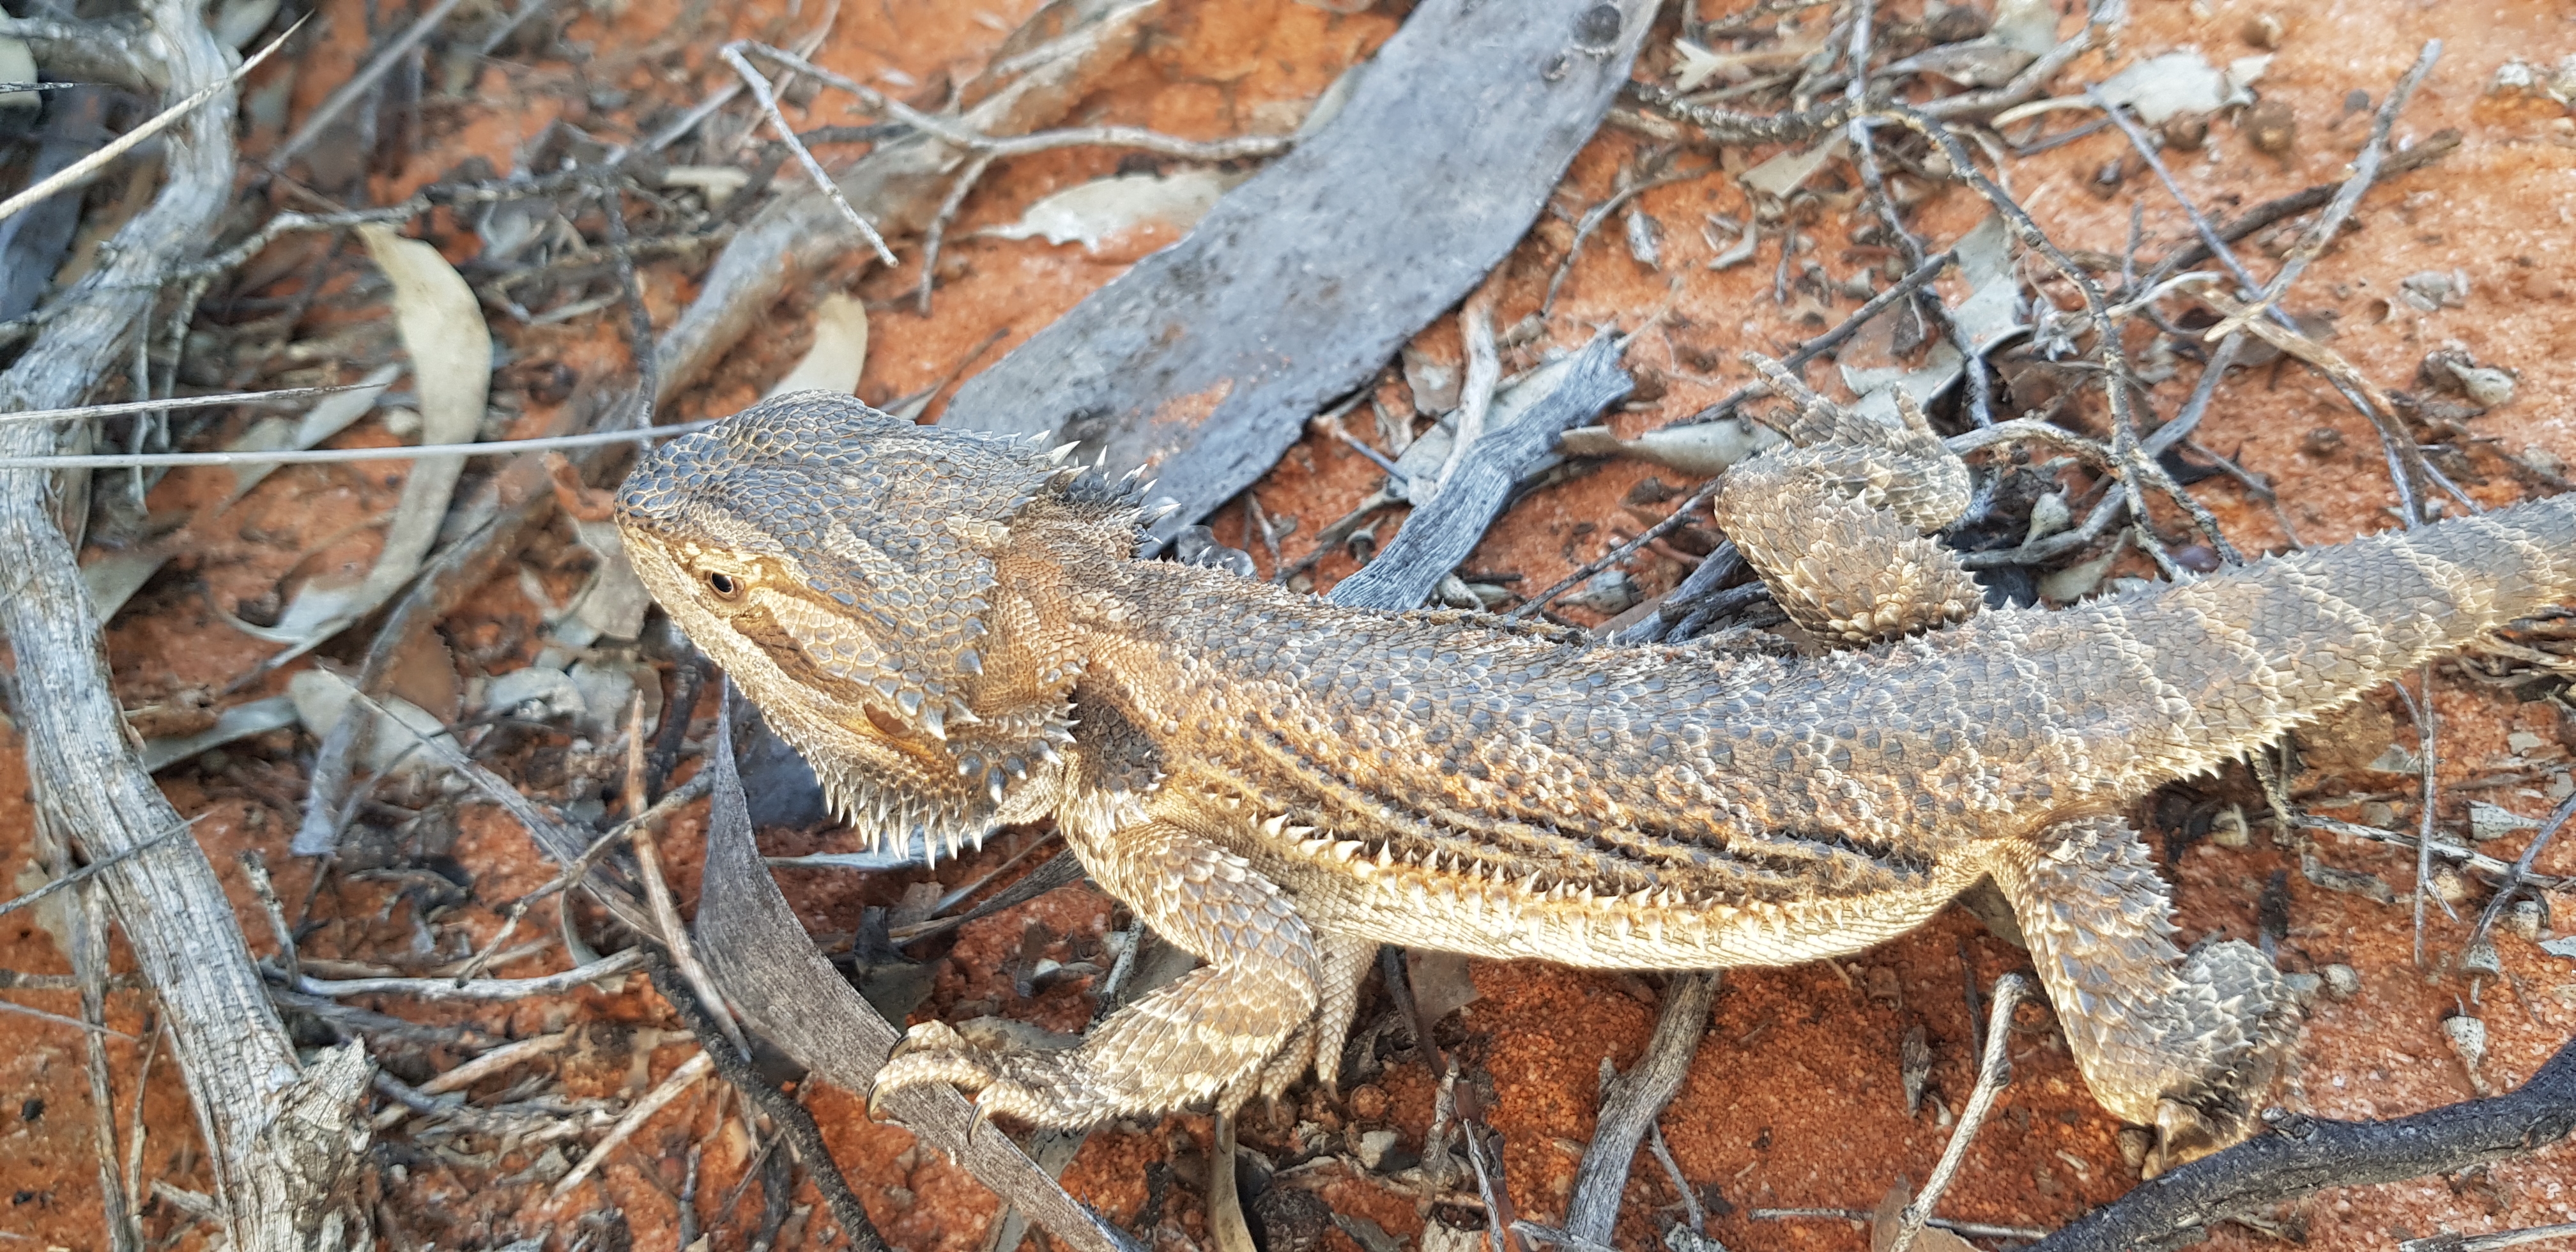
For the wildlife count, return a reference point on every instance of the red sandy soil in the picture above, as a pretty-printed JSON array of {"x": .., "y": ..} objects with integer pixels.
[{"x": 1794, "y": 1099}]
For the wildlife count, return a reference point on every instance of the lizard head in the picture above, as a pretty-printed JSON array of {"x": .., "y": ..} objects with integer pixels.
[{"x": 852, "y": 571}]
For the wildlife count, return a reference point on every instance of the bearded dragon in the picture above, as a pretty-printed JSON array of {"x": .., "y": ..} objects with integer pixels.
[{"x": 954, "y": 629}]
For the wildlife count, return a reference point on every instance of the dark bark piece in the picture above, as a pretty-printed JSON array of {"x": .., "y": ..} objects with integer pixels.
[
  {"x": 2307, "y": 1155},
  {"x": 783, "y": 989},
  {"x": 34, "y": 242},
  {"x": 1205, "y": 360},
  {"x": 1440, "y": 534}
]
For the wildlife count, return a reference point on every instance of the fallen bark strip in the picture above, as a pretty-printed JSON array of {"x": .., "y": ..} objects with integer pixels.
[
  {"x": 283, "y": 1137},
  {"x": 1206, "y": 359},
  {"x": 783, "y": 989},
  {"x": 2305, "y": 1155},
  {"x": 1440, "y": 534}
]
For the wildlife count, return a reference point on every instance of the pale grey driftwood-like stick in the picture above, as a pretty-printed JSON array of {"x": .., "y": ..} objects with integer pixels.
[{"x": 281, "y": 1134}]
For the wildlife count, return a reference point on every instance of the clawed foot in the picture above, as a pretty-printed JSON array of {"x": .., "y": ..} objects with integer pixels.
[
  {"x": 2245, "y": 1020},
  {"x": 1041, "y": 1087}
]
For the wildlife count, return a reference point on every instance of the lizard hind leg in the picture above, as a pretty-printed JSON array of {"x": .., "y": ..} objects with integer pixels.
[
  {"x": 2187, "y": 1044},
  {"x": 1834, "y": 520}
]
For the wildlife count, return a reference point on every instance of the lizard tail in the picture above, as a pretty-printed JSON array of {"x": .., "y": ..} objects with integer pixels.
[{"x": 2180, "y": 681}]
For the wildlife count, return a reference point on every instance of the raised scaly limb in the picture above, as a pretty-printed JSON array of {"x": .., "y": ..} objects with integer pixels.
[
  {"x": 2187, "y": 1045},
  {"x": 1834, "y": 521}
]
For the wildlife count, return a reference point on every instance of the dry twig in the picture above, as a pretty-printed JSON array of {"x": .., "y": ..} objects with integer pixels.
[
  {"x": 79, "y": 171},
  {"x": 478, "y": 990},
  {"x": 1631, "y": 1102},
  {"x": 1993, "y": 1071},
  {"x": 760, "y": 91},
  {"x": 279, "y": 1130},
  {"x": 332, "y": 456},
  {"x": 2365, "y": 170},
  {"x": 360, "y": 83}
]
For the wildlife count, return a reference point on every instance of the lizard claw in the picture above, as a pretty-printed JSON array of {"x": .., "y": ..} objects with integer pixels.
[
  {"x": 1040, "y": 1086},
  {"x": 931, "y": 1052}
]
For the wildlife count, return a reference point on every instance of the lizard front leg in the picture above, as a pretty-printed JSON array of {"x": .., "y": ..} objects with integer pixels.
[
  {"x": 1834, "y": 521},
  {"x": 2186, "y": 1045},
  {"x": 1205, "y": 1035}
]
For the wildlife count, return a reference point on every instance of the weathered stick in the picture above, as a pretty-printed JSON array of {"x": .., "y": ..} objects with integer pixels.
[{"x": 280, "y": 1135}]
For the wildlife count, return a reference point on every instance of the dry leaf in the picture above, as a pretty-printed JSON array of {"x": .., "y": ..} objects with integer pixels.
[
  {"x": 321, "y": 698},
  {"x": 442, "y": 329},
  {"x": 1990, "y": 314},
  {"x": 1440, "y": 983},
  {"x": 840, "y": 349},
  {"x": 2177, "y": 82},
  {"x": 1780, "y": 175},
  {"x": 716, "y": 182},
  {"x": 18, "y": 65},
  {"x": 328, "y": 417},
  {"x": 1701, "y": 449},
  {"x": 241, "y": 721},
  {"x": 1105, "y": 209},
  {"x": 2027, "y": 25}
]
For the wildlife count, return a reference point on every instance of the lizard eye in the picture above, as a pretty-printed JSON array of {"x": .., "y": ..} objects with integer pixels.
[{"x": 725, "y": 586}]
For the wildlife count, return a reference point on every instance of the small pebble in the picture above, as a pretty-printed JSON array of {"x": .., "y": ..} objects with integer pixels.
[
  {"x": 2484, "y": 385},
  {"x": 1374, "y": 1145},
  {"x": 1610, "y": 592},
  {"x": 2271, "y": 127},
  {"x": 2048, "y": 515},
  {"x": 2229, "y": 829},
  {"x": 2322, "y": 441},
  {"x": 2468, "y": 1037},
  {"x": 2105, "y": 182},
  {"x": 2134, "y": 1143},
  {"x": 2302, "y": 987},
  {"x": 2199, "y": 558},
  {"x": 2343, "y": 982},
  {"x": 2428, "y": 290},
  {"x": 2448, "y": 884},
  {"x": 2481, "y": 960}
]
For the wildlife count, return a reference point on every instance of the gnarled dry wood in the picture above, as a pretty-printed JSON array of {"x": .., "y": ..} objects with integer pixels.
[{"x": 281, "y": 1134}]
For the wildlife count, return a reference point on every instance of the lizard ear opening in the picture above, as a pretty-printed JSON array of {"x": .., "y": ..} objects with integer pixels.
[{"x": 886, "y": 724}]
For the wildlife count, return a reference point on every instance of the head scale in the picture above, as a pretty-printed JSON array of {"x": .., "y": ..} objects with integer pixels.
[{"x": 839, "y": 562}]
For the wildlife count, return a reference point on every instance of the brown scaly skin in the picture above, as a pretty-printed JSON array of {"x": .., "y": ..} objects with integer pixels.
[{"x": 953, "y": 630}]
